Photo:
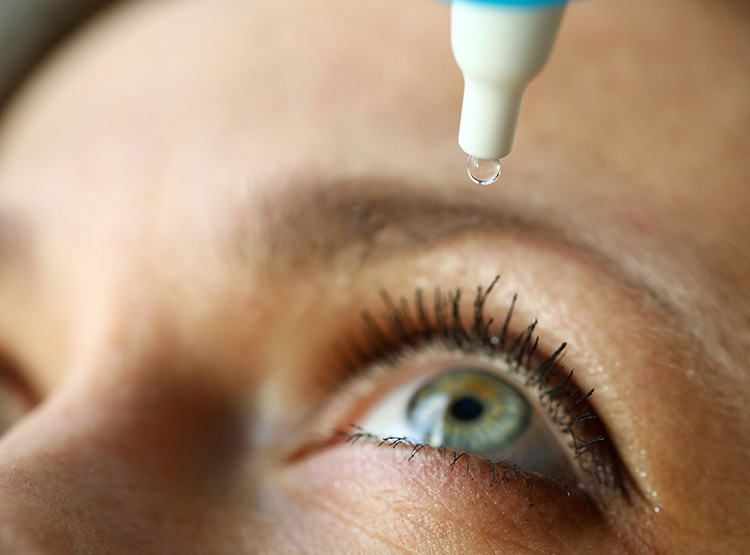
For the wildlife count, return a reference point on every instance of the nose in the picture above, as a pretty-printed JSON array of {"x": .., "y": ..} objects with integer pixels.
[{"x": 117, "y": 458}]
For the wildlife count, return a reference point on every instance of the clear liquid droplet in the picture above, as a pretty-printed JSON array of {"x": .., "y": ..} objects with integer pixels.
[{"x": 481, "y": 171}]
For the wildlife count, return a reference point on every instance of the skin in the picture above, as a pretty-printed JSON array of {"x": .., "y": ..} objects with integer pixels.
[{"x": 172, "y": 184}]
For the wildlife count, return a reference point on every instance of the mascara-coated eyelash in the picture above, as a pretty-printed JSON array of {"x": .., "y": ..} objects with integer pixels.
[{"x": 407, "y": 328}]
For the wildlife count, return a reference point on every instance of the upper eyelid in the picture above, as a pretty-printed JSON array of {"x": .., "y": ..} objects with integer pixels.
[
  {"x": 392, "y": 219},
  {"x": 367, "y": 219}
]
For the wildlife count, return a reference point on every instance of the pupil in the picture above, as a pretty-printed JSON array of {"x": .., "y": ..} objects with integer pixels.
[{"x": 466, "y": 408}]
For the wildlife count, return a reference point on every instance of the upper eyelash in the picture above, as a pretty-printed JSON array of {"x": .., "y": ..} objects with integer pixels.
[{"x": 402, "y": 329}]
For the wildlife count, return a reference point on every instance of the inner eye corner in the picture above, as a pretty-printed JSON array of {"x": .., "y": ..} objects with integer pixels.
[{"x": 18, "y": 395}]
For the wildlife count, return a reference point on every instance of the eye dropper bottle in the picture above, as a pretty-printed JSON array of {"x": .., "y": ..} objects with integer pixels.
[{"x": 500, "y": 46}]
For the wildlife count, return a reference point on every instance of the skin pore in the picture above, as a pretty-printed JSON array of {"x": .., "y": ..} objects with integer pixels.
[{"x": 198, "y": 198}]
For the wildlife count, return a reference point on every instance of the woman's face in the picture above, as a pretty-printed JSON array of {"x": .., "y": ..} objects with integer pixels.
[{"x": 223, "y": 228}]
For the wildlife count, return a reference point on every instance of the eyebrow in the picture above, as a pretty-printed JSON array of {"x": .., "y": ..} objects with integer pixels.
[
  {"x": 364, "y": 220},
  {"x": 368, "y": 219}
]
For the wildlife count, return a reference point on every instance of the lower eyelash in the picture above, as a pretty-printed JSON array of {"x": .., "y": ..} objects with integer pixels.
[
  {"x": 496, "y": 472},
  {"x": 401, "y": 330},
  {"x": 514, "y": 471}
]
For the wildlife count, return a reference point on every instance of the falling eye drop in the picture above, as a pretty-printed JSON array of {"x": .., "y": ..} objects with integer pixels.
[{"x": 500, "y": 46}]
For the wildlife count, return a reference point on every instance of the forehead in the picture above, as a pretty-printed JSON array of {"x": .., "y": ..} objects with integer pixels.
[
  {"x": 203, "y": 98},
  {"x": 238, "y": 84}
]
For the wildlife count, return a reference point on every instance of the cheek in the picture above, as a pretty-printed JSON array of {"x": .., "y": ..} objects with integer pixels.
[{"x": 380, "y": 496}]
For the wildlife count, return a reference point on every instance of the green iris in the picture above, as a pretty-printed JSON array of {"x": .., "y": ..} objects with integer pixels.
[{"x": 469, "y": 410}]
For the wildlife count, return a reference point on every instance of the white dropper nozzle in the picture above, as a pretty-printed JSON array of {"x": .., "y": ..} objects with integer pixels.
[{"x": 499, "y": 47}]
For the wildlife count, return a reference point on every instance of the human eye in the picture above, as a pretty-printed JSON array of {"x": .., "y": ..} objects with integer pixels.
[
  {"x": 438, "y": 375},
  {"x": 473, "y": 410}
]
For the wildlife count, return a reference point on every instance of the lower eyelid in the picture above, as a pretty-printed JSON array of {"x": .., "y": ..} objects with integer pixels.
[
  {"x": 497, "y": 471},
  {"x": 377, "y": 478}
]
